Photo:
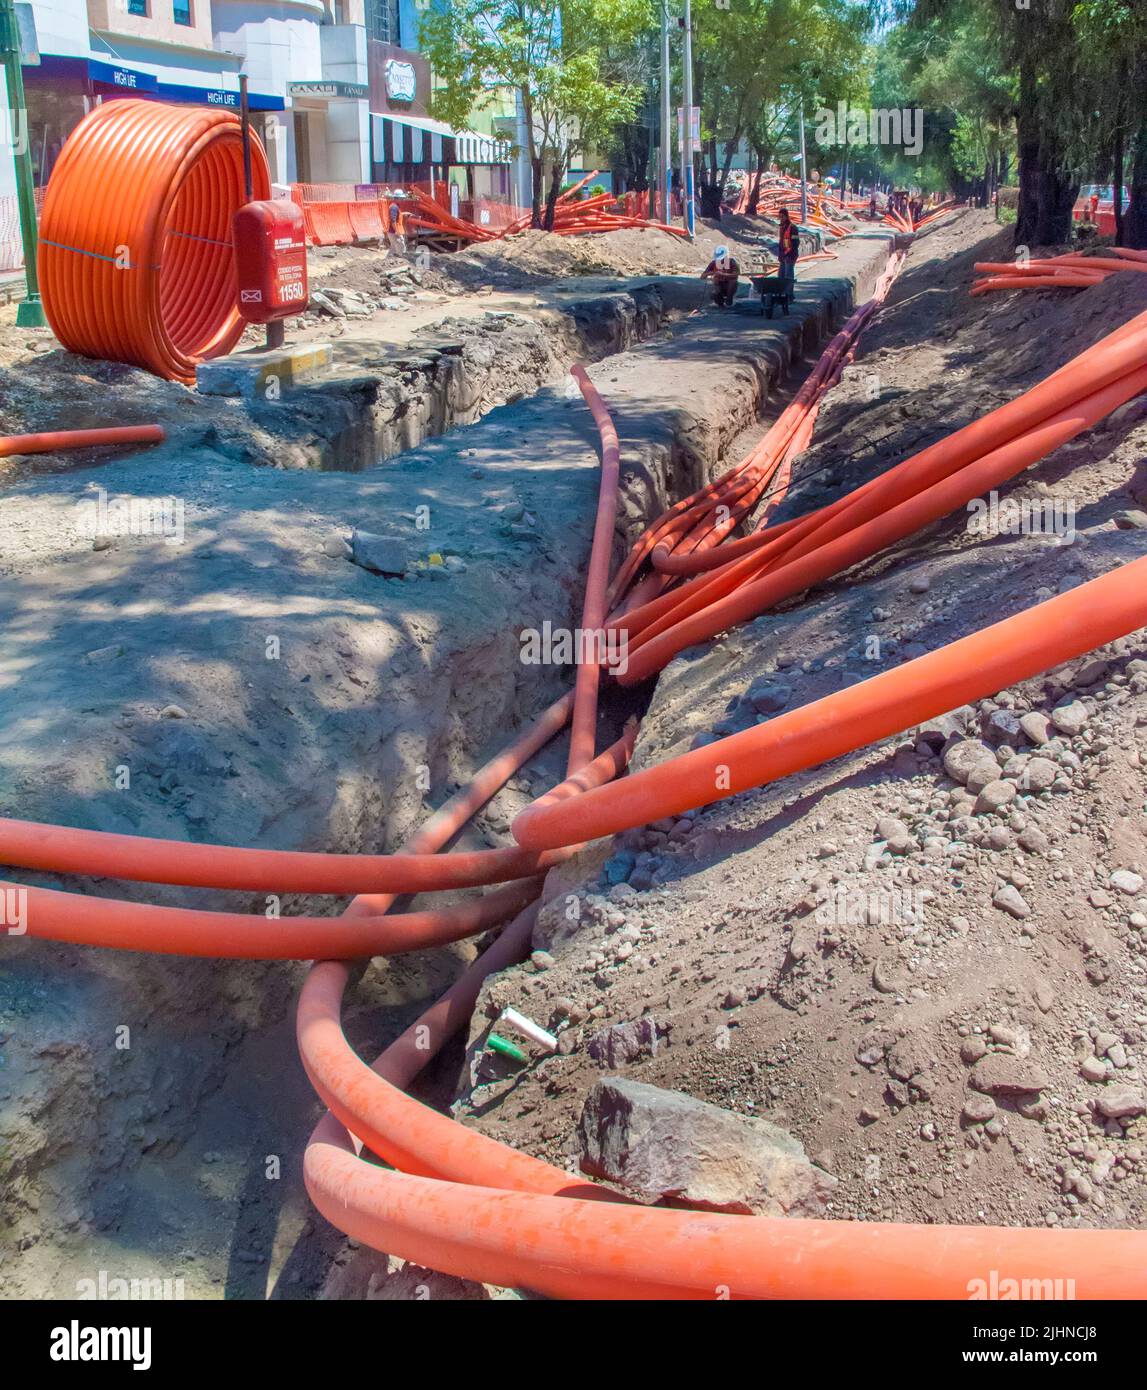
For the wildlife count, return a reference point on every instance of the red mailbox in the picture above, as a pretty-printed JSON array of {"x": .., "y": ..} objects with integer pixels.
[{"x": 270, "y": 260}]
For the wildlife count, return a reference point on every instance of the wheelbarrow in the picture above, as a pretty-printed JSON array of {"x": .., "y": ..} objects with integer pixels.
[{"x": 773, "y": 291}]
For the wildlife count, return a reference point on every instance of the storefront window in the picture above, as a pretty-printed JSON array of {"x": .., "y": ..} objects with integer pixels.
[{"x": 181, "y": 11}]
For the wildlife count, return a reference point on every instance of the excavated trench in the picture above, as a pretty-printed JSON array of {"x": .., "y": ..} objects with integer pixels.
[
  {"x": 140, "y": 1157},
  {"x": 460, "y": 369}
]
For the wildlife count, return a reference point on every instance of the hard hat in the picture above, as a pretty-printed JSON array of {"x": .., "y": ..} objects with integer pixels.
[{"x": 721, "y": 253}]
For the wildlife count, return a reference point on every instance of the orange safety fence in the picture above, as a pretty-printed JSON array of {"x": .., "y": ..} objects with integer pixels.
[
  {"x": 328, "y": 224},
  {"x": 366, "y": 220}
]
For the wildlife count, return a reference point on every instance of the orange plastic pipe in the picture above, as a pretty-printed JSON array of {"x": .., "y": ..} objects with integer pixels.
[
  {"x": 181, "y": 931},
  {"x": 585, "y": 1250},
  {"x": 135, "y": 258},
  {"x": 969, "y": 669},
  {"x": 583, "y": 728},
  {"x": 79, "y": 439}
]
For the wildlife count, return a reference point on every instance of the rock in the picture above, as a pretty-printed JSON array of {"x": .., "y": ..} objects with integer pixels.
[
  {"x": 1121, "y": 1103},
  {"x": 888, "y": 976},
  {"x": 1034, "y": 840},
  {"x": 1008, "y": 899},
  {"x": 972, "y": 1049},
  {"x": 621, "y": 1043},
  {"x": 1126, "y": 881},
  {"x": 379, "y": 554},
  {"x": 1002, "y": 726},
  {"x": 1093, "y": 1069},
  {"x": 322, "y": 300},
  {"x": 1130, "y": 519},
  {"x": 337, "y": 547},
  {"x": 662, "y": 1144},
  {"x": 936, "y": 732},
  {"x": 978, "y": 1110},
  {"x": 1003, "y": 1074},
  {"x": 1036, "y": 726},
  {"x": 767, "y": 696},
  {"x": 1039, "y": 774},
  {"x": 173, "y": 712},
  {"x": 1090, "y": 672},
  {"x": 919, "y": 584},
  {"x": 968, "y": 756},
  {"x": 1069, "y": 719},
  {"x": 995, "y": 796}
]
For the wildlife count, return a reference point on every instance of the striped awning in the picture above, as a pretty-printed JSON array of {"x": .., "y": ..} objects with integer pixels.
[
  {"x": 408, "y": 139},
  {"x": 481, "y": 149},
  {"x": 420, "y": 140}
]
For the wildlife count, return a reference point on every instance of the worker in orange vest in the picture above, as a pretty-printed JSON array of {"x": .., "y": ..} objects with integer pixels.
[
  {"x": 396, "y": 228},
  {"x": 788, "y": 248}
]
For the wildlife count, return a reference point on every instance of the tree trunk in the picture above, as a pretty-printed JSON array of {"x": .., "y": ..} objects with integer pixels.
[
  {"x": 1117, "y": 176},
  {"x": 755, "y": 191},
  {"x": 1135, "y": 223},
  {"x": 556, "y": 172},
  {"x": 1028, "y": 152},
  {"x": 536, "y": 192}
]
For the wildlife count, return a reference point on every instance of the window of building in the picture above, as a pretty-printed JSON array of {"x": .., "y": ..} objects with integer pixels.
[
  {"x": 382, "y": 20},
  {"x": 181, "y": 11},
  {"x": 138, "y": 7}
]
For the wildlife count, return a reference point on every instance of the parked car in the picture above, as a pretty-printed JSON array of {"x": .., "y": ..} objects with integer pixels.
[{"x": 1104, "y": 214}]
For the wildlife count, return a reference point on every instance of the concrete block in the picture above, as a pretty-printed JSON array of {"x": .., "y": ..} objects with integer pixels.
[{"x": 263, "y": 373}]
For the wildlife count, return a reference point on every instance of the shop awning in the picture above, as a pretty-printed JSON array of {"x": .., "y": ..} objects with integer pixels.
[{"x": 404, "y": 139}]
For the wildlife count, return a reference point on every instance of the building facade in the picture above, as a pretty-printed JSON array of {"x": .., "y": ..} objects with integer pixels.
[{"x": 337, "y": 89}]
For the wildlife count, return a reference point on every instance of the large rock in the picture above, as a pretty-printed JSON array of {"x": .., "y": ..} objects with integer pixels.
[
  {"x": 380, "y": 554},
  {"x": 665, "y": 1145}
]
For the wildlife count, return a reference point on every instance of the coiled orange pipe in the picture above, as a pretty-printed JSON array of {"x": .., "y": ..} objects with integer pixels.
[{"x": 135, "y": 259}]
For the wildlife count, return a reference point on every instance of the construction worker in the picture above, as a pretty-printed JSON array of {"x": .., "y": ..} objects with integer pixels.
[
  {"x": 788, "y": 248},
  {"x": 396, "y": 228},
  {"x": 724, "y": 271}
]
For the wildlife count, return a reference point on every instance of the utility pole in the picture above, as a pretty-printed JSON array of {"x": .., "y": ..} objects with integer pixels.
[
  {"x": 804, "y": 172},
  {"x": 687, "y": 122},
  {"x": 30, "y": 313},
  {"x": 665, "y": 173}
]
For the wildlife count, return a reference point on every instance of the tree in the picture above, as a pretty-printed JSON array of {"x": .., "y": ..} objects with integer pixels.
[{"x": 552, "y": 55}]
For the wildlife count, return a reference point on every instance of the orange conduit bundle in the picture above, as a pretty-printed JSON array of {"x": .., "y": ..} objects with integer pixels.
[
  {"x": 1074, "y": 270},
  {"x": 135, "y": 260},
  {"x": 470, "y": 1206}
]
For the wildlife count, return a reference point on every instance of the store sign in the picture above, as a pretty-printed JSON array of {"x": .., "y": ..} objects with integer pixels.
[
  {"x": 113, "y": 76},
  {"x": 328, "y": 90},
  {"x": 400, "y": 80}
]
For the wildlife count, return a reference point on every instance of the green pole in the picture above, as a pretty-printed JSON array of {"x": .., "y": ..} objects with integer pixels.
[{"x": 30, "y": 313}]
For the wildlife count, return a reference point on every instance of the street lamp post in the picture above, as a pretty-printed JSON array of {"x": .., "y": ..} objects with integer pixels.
[
  {"x": 687, "y": 122},
  {"x": 30, "y": 313},
  {"x": 665, "y": 174},
  {"x": 804, "y": 172}
]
